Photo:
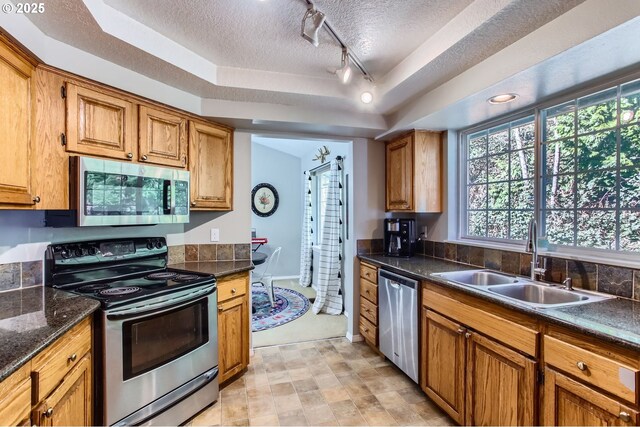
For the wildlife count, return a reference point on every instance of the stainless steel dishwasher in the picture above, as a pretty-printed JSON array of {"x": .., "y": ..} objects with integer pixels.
[{"x": 398, "y": 324}]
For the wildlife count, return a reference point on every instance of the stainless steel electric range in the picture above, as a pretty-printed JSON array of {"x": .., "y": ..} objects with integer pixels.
[{"x": 156, "y": 342}]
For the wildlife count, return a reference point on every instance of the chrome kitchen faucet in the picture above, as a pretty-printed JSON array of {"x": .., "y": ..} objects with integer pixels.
[{"x": 532, "y": 247}]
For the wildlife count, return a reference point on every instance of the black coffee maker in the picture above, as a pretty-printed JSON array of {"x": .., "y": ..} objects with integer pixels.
[{"x": 399, "y": 237}]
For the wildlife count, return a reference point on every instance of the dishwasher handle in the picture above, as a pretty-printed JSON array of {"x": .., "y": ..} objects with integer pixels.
[{"x": 396, "y": 279}]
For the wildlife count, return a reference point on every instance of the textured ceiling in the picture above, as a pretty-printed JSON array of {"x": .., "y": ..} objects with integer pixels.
[
  {"x": 264, "y": 35},
  {"x": 251, "y": 52}
]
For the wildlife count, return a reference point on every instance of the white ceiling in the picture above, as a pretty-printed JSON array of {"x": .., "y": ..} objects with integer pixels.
[{"x": 244, "y": 62}]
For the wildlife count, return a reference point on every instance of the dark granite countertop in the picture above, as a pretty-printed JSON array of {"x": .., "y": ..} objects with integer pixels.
[
  {"x": 217, "y": 268},
  {"x": 32, "y": 318},
  {"x": 615, "y": 320}
]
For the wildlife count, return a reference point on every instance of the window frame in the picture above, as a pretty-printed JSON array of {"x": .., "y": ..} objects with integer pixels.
[
  {"x": 617, "y": 257},
  {"x": 462, "y": 178}
]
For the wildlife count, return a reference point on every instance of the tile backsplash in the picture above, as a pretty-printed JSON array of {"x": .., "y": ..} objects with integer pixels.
[
  {"x": 18, "y": 275},
  {"x": 209, "y": 252},
  {"x": 619, "y": 281}
]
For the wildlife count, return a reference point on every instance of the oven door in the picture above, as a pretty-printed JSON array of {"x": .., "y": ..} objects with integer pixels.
[{"x": 151, "y": 350}]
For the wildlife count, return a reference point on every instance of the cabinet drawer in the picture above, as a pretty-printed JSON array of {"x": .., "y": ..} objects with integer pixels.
[
  {"x": 369, "y": 291},
  {"x": 600, "y": 371},
  {"x": 368, "y": 272},
  {"x": 53, "y": 363},
  {"x": 231, "y": 288},
  {"x": 368, "y": 331},
  {"x": 369, "y": 310}
]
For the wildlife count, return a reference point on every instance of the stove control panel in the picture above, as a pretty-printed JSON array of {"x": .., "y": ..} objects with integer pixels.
[{"x": 106, "y": 250}]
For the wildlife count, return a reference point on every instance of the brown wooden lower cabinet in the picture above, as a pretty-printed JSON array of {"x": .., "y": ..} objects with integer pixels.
[
  {"x": 234, "y": 325},
  {"x": 444, "y": 348},
  {"x": 500, "y": 386},
  {"x": 476, "y": 380},
  {"x": 70, "y": 403},
  {"x": 570, "y": 403}
]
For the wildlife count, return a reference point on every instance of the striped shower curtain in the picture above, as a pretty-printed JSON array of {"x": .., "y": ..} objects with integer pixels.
[
  {"x": 328, "y": 297},
  {"x": 306, "y": 253}
]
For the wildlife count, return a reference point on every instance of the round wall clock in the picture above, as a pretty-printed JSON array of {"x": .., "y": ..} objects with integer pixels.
[{"x": 264, "y": 199}]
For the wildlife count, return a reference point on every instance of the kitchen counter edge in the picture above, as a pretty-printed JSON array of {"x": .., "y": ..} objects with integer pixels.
[
  {"x": 578, "y": 318},
  {"x": 61, "y": 310}
]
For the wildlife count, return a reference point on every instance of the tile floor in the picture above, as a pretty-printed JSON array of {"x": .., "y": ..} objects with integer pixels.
[{"x": 329, "y": 382}]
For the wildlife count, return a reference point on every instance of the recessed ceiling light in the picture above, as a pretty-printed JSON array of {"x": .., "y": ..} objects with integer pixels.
[
  {"x": 502, "y": 98},
  {"x": 366, "y": 97}
]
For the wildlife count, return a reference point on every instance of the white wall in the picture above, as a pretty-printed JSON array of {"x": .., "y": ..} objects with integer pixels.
[
  {"x": 284, "y": 227},
  {"x": 234, "y": 226},
  {"x": 367, "y": 201},
  {"x": 443, "y": 226}
]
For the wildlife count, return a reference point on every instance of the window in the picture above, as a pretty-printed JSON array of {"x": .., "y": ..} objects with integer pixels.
[
  {"x": 320, "y": 188},
  {"x": 499, "y": 176},
  {"x": 588, "y": 176},
  {"x": 591, "y": 178}
]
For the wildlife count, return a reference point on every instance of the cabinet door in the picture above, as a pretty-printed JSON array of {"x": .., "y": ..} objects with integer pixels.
[
  {"x": 399, "y": 180},
  {"x": 99, "y": 124},
  {"x": 16, "y": 131},
  {"x": 233, "y": 337},
  {"x": 70, "y": 403},
  {"x": 211, "y": 167},
  {"x": 570, "y": 403},
  {"x": 501, "y": 385},
  {"x": 443, "y": 363},
  {"x": 15, "y": 397},
  {"x": 163, "y": 138}
]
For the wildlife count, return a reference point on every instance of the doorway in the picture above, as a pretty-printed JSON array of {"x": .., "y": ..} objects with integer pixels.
[{"x": 281, "y": 162}]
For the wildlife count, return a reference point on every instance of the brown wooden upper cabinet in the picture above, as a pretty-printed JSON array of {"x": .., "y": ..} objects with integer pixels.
[
  {"x": 16, "y": 132},
  {"x": 414, "y": 173},
  {"x": 163, "y": 137},
  {"x": 99, "y": 124},
  {"x": 211, "y": 166}
]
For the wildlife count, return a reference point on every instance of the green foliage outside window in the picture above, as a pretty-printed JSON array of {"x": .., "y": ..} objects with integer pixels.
[{"x": 589, "y": 166}]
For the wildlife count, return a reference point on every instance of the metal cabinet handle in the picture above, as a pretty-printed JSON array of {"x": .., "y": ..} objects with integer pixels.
[
  {"x": 461, "y": 330},
  {"x": 582, "y": 366},
  {"x": 129, "y": 155},
  {"x": 467, "y": 335},
  {"x": 233, "y": 291},
  {"x": 36, "y": 199},
  {"x": 366, "y": 329},
  {"x": 625, "y": 416},
  {"x": 193, "y": 203},
  {"x": 220, "y": 309},
  {"x": 144, "y": 158},
  {"x": 73, "y": 357},
  {"x": 367, "y": 291},
  {"x": 48, "y": 413}
]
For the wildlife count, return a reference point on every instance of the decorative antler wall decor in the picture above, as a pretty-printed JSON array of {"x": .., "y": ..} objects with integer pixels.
[{"x": 322, "y": 154}]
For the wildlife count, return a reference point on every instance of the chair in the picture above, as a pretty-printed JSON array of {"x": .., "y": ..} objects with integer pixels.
[{"x": 266, "y": 277}]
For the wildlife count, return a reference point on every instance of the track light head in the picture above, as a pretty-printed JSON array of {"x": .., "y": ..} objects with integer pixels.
[
  {"x": 345, "y": 72},
  {"x": 310, "y": 32}
]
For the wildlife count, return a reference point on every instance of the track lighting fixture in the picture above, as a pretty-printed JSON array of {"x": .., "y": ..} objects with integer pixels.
[
  {"x": 316, "y": 18},
  {"x": 345, "y": 72}
]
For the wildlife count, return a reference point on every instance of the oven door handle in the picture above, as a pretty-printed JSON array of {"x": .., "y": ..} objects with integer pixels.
[{"x": 160, "y": 307}]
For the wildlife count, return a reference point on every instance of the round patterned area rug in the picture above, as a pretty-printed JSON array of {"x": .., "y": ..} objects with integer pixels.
[{"x": 289, "y": 305}]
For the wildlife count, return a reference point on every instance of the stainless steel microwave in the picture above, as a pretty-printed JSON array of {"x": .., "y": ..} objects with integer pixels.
[{"x": 107, "y": 192}]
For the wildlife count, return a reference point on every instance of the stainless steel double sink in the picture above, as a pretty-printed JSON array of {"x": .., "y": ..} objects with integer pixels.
[{"x": 520, "y": 289}]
